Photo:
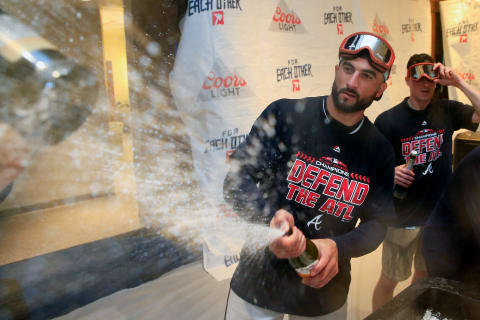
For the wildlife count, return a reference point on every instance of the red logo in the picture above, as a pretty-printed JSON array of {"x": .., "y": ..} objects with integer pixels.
[
  {"x": 357, "y": 176},
  {"x": 296, "y": 85},
  {"x": 340, "y": 29},
  {"x": 221, "y": 83},
  {"x": 286, "y": 19},
  {"x": 467, "y": 76},
  {"x": 463, "y": 38},
  {"x": 213, "y": 81},
  {"x": 290, "y": 18},
  {"x": 424, "y": 132},
  {"x": 379, "y": 27},
  {"x": 217, "y": 18},
  {"x": 228, "y": 154},
  {"x": 335, "y": 163}
]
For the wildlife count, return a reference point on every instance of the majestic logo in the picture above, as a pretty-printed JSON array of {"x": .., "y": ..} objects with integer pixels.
[
  {"x": 321, "y": 181},
  {"x": 461, "y": 30},
  {"x": 336, "y": 149},
  {"x": 379, "y": 27},
  {"x": 294, "y": 71},
  {"x": 286, "y": 20},
  {"x": 221, "y": 83},
  {"x": 424, "y": 123},
  {"x": 411, "y": 28},
  {"x": 424, "y": 132},
  {"x": 338, "y": 16}
]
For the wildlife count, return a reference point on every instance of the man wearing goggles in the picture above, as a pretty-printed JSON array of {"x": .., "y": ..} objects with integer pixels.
[
  {"x": 380, "y": 52},
  {"x": 426, "y": 125},
  {"x": 423, "y": 69},
  {"x": 295, "y": 172}
]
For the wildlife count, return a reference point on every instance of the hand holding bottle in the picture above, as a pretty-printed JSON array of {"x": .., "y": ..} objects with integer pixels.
[
  {"x": 403, "y": 176},
  {"x": 327, "y": 266},
  {"x": 291, "y": 245}
]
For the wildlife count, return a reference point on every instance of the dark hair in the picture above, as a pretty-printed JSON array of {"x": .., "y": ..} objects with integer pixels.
[{"x": 418, "y": 58}]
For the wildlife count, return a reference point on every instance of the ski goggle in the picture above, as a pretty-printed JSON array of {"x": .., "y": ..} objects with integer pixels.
[
  {"x": 424, "y": 69},
  {"x": 380, "y": 51}
]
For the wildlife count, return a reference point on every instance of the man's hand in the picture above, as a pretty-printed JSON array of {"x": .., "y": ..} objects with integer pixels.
[
  {"x": 403, "y": 176},
  {"x": 290, "y": 245},
  {"x": 327, "y": 265},
  {"x": 448, "y": 77}
]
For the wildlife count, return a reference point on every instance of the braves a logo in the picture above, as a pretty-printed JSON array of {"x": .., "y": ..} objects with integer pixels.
[
  {"x": 317, "y": 221},
  {"x": 428, "y": 170}
]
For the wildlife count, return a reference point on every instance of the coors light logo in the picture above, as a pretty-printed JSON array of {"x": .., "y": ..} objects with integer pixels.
[
  {"x": 222, "y": 83},
  {"x": 468, "y": 76},
  {"x": 380, "y": 27},
  {"x": 286, "y": 20}
]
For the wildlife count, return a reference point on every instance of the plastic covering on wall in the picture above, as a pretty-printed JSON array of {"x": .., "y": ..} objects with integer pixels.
[
  {"x": 461, "y": 42},
  {"x": 237, "y": 56}
]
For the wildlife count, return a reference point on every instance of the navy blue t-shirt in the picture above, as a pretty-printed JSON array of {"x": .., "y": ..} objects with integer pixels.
[
  {"x": 429, "y": 132},
  {"x": 328, "y": 176}
]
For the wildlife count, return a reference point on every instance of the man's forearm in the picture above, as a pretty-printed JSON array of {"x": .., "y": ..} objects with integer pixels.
[
  {"x": 361, "y": 240},
  {"x": 474, "y": 97}
]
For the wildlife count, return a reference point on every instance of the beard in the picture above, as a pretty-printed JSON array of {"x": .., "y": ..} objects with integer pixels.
[{"x": 361, "y": 104}]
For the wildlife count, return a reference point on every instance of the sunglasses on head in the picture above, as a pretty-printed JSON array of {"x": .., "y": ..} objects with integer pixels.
[
  {"x": 381, "y": 53},
  {"x": 423, "y": 69}
]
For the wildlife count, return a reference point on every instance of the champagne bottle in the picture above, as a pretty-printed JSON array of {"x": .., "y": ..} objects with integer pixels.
[
  {"x": 401, "y": 192},
  {"x": 304, "y": 263},
  {"x": 43, "y": 95}
]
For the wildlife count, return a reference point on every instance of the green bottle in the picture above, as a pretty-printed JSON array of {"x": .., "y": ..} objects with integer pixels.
[{"x": 304, "y": 263}]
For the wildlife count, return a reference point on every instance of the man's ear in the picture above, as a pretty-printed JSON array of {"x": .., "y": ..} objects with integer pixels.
[{"x": 381, "y": 89}]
